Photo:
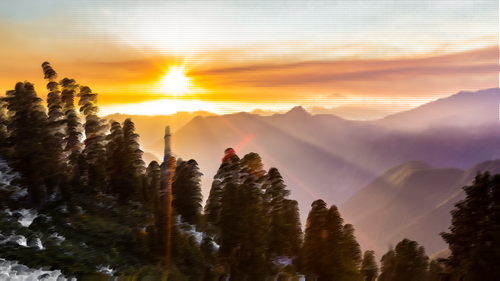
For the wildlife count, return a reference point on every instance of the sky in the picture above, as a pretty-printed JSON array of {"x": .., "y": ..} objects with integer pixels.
[{"x": 364, "y": 59}]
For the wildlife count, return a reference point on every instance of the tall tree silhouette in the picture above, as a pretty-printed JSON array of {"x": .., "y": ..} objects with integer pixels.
[
  {"x": 474, "y": 237},
  {"x": 387, "y": 265},
  {"x": 186, "y": 191},
  {"x": 31, "y": 144},
  {"x": 410, "y": 260},
  {"x": 336, "y": 242},
  {"x": 94, "y": 148},
  {"x": 315, "y": 255},
  {"x": 56, "y": 120},
  {"x": 285, "y": 233},
  {"x": 369, "y": 266},
  {"x": 352, "y": 252}
]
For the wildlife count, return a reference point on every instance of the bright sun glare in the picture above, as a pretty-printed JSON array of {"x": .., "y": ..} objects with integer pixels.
[{"x": 174, "y": 81}]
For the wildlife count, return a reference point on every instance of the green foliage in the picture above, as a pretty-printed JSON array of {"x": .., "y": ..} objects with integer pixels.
[
  {"x": 285, "y": 233},
  {"x": 435, "y": 268},
  {"x": 330, "y": 248},
  {"x": 30, "y": 146},
  {"x": 314, "y": 259},
  {"x": 474, "y": 237},
  {"x": 369, "y": 266},
  {"x": 406, "y": 261},
  {"x": 387, "y": 265},
  {"x": 186, "y": 191}
]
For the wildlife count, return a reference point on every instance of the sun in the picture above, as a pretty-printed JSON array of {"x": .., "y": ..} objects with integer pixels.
[{"x": 174, "y": 81}]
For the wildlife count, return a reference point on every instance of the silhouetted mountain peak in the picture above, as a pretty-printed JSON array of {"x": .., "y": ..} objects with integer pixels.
[{"x": 298, "y": 111}]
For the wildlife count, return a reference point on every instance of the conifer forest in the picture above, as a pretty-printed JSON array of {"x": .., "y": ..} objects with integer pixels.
[{"x": 98, "y": 210}]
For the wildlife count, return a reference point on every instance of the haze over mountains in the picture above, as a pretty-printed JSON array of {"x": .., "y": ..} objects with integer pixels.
[
  {"x": 412, "y": 200},
  {"x": 462, "y": 110},
  {"x": 325, "y": 156}
]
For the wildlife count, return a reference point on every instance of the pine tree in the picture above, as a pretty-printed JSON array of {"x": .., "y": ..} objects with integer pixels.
[
  {"x": 115, "y": 160},
  {"x": 30, "y": 142},
  {"x": 151, "y": 193},
  {"x": 387, "y": 265},
  {"x": 291, "y": 227},
  {"x": 435, "y": 268},
  {"x": 253, "y": 162},
  {"x": 336, "y": 242},
  {"x": 255, "y": 227},
  {"x": 352, "y": 252},
  {"x": 73, "y": 125},
  {"x": 475, "y": 236},
  {"x": 134, "y": 166},
  {"x": 186, "y": 191},
  {"x": 72, "y": 140},
  {"x": 55, "y": 124},
  {"x": 410, "y": 260},
  {"x": 315, "y": 256},
  {"x": 285, "y": 233},
  {"x": 369, "y": 266},
  {"x": 213, "y": 205},
  {"x": 94, "y": 150}
]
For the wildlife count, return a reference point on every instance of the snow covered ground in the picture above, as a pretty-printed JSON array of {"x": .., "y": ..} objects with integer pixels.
[{"x": 12, "y": 271}]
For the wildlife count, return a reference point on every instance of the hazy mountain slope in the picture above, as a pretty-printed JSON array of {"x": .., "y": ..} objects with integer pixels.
[
  {"x": 311, "y": 171},
  {"x": 412, "y": 200},
  {"x": 464, "y": 109},
  {"x": 324, "y": 156},
  {"x": 151, "y": 128}
]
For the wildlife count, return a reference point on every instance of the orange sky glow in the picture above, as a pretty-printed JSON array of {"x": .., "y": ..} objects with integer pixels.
[{"x": 123, "y": 54}]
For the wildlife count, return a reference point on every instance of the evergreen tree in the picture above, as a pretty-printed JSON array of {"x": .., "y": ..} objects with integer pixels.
[
  {"x": 186, "y": 191},
  {"x": 30, "y": 143},
  {"x": 151, "y": 193},
  {"x": 94, "y": 150},
  {"x": 410, "y": 260},
  {"x": 352, "y": 252},
  {"x": 134, "y": 166},
  {"x": 208, "y": 250},
  {"x": 387, "y": 265},
  {"x": 292, "y": 227},
  {"x": 55, "y": 124},
  {"x": 369, "y": 266},
  {"x": 54, "y": 105},
  {"x": 475, "y": 236},
  {"x": 115, "y": 160},
  {"x": 213, "y": 204},
  {"x": 73, "y": 125},
  {"x": 255, "y": 227},
  {"x": 314, "y": 258},
  {"x": 338, "y": 251},
  {"x": 253, "y": 162},
  {"x": 285, "y": 233},
  {"x": 435, "y": 269},
  {"x": 330, "y": 247},
  {"x": 72, "y": 140}
]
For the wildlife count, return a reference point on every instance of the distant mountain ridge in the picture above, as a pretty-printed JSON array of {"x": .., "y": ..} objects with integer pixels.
[
  {"x": 453, "y": 111},
  {"x": 325, "y": 156}
]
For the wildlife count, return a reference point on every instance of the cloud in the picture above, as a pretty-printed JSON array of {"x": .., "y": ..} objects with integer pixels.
[
  {"x": 482, "y": 60},
  {"x": 336, "y": 96}
]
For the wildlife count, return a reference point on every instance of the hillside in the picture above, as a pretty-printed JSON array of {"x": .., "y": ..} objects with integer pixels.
[
  {"x": 412, "y": 200},
  {"x": 325, "y": 156}
]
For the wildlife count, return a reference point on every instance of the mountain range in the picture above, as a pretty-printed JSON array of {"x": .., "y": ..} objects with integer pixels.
[{"x": 325, "y": 156}]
